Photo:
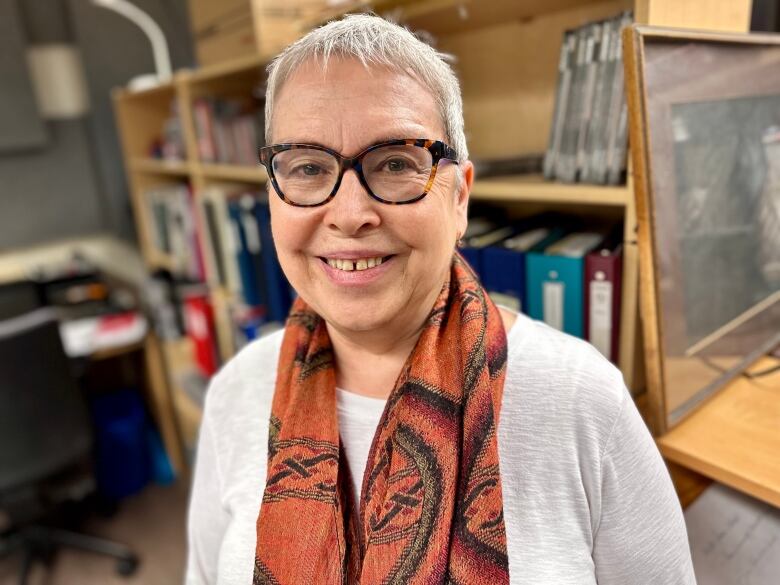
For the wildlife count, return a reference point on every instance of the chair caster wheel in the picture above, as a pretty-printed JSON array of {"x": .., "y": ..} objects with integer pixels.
[{"x": 128, "y": 566}]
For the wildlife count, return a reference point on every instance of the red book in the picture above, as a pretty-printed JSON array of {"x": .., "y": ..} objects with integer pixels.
[
  {"x": 199, "y": 322},
  {"x": 203, "y": 113},
  {"x": 603, "y": 283},
  {"x": 198, "y": 268}
]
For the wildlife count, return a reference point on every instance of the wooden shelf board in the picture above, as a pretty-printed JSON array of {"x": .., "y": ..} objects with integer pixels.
[
  {"x": 445, "y": 17},
  {"x": 250, "y": 174},
  {"x": 535, "y": 188},
  {"x": 160, "y": 167},
  {"x": 241, "y": 65},
  {"x": 734, "y": 438}
]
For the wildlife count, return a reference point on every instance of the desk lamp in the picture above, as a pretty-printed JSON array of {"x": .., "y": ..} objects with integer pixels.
[{"x": 162, "y": 58}]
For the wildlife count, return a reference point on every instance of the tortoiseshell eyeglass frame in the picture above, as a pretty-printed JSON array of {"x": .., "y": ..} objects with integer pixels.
[{"x": 438, "y": 149}]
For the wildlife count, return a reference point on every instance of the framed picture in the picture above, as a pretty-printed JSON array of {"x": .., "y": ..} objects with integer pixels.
[{"x": 705, "y": 137}]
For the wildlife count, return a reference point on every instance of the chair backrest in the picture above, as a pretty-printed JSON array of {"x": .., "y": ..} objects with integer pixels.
[
  {"x": 44, "y": 422},
  {"x": 19, "y": 297}
]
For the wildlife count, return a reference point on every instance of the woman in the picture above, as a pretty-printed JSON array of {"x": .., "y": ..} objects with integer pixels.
[{"x": 402, "y": 429}]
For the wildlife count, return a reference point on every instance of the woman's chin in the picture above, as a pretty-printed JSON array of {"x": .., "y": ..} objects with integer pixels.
[{"x": 357, "y": 320}]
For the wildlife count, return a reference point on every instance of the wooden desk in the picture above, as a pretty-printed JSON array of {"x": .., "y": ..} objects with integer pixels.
[{"x": 734, "y": 438}]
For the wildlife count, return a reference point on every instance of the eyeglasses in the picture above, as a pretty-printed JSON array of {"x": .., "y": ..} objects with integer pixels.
[{"x": 395, "y": 172}]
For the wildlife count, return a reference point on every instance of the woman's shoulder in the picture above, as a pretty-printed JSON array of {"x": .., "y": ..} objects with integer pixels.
[
  {"x": 555, "y": 373},
  {"x": 247, "y": 380}
]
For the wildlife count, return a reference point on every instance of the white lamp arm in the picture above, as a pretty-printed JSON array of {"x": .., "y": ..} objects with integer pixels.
[{"x": 162, "y": 58}]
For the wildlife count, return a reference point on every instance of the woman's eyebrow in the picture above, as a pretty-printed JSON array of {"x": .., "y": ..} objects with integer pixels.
[
  {"x": 299, "y": 141},
  {"x": 377, "y": 140}
]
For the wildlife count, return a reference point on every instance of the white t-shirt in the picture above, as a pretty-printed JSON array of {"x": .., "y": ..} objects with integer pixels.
[
  {"x": 358, "y": 419},
  {"x": 587, "y": 498}
]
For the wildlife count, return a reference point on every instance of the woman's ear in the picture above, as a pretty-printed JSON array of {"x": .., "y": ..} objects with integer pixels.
[{"x": 465, "y": 180}]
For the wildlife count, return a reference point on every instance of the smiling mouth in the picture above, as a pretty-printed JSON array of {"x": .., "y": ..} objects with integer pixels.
[{"x": 355, "y": 264}]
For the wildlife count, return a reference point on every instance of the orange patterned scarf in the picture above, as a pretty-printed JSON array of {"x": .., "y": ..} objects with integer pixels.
[{"x": 431, "y": 510}]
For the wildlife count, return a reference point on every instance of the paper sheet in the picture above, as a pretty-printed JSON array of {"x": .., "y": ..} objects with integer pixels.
[{"x": 735, "y": 539}]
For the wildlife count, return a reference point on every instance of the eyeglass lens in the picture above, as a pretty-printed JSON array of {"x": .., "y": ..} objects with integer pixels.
[{"x": 394, "y": 173}]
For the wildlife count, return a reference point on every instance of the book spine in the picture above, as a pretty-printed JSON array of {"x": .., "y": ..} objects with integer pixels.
[
  {"x": 588, "y": 92},
  {"x": 561, "y": 101},
  {"x": 603, "y": 271}
]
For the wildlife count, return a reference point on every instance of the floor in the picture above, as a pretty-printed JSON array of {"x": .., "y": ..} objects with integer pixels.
[{"x": 151, "y": 523}]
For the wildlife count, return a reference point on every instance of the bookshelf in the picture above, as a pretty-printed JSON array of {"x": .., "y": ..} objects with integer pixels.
[
  {"x": 506, "y": 57},
  {"x": 533, "y": 188}
]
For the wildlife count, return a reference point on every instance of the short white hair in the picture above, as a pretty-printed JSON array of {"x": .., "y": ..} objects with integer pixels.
[{"x": 372, "y": 40}]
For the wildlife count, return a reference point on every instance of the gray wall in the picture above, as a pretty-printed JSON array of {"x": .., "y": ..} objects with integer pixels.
[{"x": 75, "y": 185}]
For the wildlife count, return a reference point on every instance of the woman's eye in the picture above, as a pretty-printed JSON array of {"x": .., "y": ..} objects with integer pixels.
[
  {"x": 309, "y": 169},
  {"x": 397, "y": 165}
]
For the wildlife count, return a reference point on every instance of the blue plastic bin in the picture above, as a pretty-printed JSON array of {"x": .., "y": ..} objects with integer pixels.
[{"x": 122, "y": 465}]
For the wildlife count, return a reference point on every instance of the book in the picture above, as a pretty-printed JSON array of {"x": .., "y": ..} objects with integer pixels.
[
  {"x": 253, "y": 242},
  {"x": 589, "y": 129},
  {"x": 566, "y": 161},
  {"x": 204, "y": 129},
  {"x": 504, "y": 267},
  {"x": 617, "y": 141},
  {"x": 554, "y": 281},
  {"x": 222, "y": 239},
  {"x": 247, "y": 246},
  {"x": 199, "y": 325},
  {"x": 590, "y": 67},
  {"x": 229, "y": 131},
  {"x": 478, "y": 226},
  {"x": 595, "y": 135},
  {"x": 596, "y": 140},
  {"x": 172, "y": 211},
  {"x": 279, "y": 290},
  {"x": 565, "y": 67},
  {"x": 603, "y": 286}
]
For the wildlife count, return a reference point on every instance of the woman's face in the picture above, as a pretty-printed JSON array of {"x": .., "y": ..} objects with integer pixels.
[{"x": 347, "y": 109}]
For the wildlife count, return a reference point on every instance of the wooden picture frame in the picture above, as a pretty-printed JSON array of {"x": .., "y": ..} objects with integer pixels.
[{"x": 698, "y": 332}]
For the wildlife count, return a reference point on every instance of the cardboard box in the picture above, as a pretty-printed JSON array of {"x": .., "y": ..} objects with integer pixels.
[
  {"x": 205, "y": 14},
  {"x": 231, "y": 29}
]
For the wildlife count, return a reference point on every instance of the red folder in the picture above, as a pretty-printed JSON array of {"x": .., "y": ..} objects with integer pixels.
[
  {"x": 603, "y": 280},
  {"x": 199, "y": 322}
]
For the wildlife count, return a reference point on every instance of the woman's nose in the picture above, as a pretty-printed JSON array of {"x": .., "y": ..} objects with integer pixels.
[{"x": 352, "y": 210}]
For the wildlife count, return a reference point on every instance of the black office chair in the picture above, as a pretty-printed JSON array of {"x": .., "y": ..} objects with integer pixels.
[{"x": 45, "y": 436}]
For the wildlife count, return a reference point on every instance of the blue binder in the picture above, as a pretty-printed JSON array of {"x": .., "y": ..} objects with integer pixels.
[
  {"x": 554, "y": 282},
  {"x": 279, "y": 290},
  {"x": 504, "y": 266},
  {"x": 247, "y": 256},
  {"x": 472, "y": 250}
]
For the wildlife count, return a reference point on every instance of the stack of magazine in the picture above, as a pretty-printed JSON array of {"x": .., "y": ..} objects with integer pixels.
[{"x": 589, "y": 132}]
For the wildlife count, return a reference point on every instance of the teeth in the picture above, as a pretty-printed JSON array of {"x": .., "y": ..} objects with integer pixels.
[{"x": 350, "y": 265}]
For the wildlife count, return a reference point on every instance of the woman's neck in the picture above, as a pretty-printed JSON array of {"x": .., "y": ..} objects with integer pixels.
[{"x": 369, "y": 364}]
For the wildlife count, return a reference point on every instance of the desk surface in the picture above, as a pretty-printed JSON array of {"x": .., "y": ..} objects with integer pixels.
[{"x": 734, "y": 438}]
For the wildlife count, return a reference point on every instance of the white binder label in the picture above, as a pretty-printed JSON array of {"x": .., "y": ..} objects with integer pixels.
[
  {"x": 252, "y": 232},
  {"x": 552, "y": 295},
  {"x": 600, "y": 324}
]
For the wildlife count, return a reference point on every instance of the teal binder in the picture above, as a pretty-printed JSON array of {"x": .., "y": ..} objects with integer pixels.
[{"x": 555, "y": 282}]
